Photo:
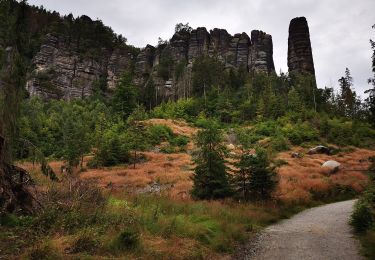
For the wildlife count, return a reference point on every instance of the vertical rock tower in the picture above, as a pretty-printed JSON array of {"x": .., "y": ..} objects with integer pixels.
[{"x": 300, "y": 57}]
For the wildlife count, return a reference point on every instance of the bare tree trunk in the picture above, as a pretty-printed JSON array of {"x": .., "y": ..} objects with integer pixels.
[{"x": 14, "y": 196}]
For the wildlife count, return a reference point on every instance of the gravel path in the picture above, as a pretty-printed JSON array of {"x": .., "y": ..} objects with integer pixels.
[{"x": 317, "y": 233}]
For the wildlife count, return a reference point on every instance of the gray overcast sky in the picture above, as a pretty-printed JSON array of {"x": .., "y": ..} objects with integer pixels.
[{"x": 340, "y": 29}]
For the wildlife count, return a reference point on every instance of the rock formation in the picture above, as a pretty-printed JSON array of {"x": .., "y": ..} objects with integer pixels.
[
  {"x": 62, "y": 73},
  {"x": 255, "y": 55},
  {"x": 261, "y": 52},
  {"x": 300, "y": 57}
]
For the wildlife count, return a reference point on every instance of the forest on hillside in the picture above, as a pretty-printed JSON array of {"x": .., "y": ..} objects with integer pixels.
[{"x": 267, "y": 113}]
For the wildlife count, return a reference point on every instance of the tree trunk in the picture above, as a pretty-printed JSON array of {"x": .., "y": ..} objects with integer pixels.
[{"x": 14, "y": 195}]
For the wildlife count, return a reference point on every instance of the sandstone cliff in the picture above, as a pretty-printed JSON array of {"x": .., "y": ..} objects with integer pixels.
[
  {"x": 255, "y": 54},
  {"x": 60, "y": 72},
  {"x": 300, "y": 57}
]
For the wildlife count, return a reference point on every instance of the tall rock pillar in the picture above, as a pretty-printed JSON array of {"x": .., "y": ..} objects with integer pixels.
[{"x": 300, "y": 57}]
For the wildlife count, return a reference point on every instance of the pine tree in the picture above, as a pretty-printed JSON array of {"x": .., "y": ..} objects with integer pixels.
[
  {"x": 254, "y": 178},
  {"x": 294, "y": 101},
  {"x": 370, "y": 100},
  {"x": 347, "y": 97},
  {"x": 125, "y": 97},
  {"x": 211, "y": 179}
]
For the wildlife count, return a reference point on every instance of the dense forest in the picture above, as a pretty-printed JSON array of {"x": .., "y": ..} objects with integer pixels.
[{"x": 286, "y": 110}]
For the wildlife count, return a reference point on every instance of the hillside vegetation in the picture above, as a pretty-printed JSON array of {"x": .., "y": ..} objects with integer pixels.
[{"x": 124, "y": 175}]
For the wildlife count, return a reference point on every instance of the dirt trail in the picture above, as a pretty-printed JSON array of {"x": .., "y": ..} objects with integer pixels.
[{"x": 317, "y": 233}]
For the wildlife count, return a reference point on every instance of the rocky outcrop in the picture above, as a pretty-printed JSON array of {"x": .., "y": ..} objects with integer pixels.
[
  {"x": 261, "y": 52},
  {"x": 300, "y": 59},
  {"x": 62, "y": 73},
  {"x": 199, "y": 43},
  {"x": 219, "y": 44},
  {"x": 144, "y": 64},
  {"x": 238, "y": 51}
]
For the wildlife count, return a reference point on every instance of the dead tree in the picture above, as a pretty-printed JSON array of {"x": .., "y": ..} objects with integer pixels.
[{"x": 14, "y": 183}]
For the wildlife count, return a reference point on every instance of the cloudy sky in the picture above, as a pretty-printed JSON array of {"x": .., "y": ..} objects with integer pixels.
[{"x": 340, "y": 29}]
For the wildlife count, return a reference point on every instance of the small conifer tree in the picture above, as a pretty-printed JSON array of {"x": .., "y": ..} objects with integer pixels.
[{"x": 211, "y": 179}]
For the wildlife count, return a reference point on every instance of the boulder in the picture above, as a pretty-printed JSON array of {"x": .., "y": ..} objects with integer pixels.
[
  {"x": 320, "y": 149},
  {"x": 333, "y": 166}
]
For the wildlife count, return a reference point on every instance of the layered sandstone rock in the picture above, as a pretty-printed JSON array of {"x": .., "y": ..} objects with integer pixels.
[
  {"x": 199, "y": 43},
  {"x": 261, "y": 52},
  {"x": 300, "y": 57},
  {"x": 62, "y": 73}
]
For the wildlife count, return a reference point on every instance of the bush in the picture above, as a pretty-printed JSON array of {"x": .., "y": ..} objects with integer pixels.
[
  {"x": 362, "y": 218},
  {"x": 159, "y": 133},
  {"x": 126, "y": 240},
  {"x": 300, "y": 133},
  {"x": 85, "y": 242},
  {"x": 186, "y": 109},
  {"x": 179, "y": 140},
  {"x": 279, "y": 143}
]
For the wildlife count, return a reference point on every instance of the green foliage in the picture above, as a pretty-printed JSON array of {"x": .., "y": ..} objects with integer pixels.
[
  {"x": 184, "y": 108},
  {"x": 179, "y": 140},
  {"x": 207, "y": 72},
  {"x": 362, "y": 217},
  {"x": 211, "y": 180},
  {"x": 159, "y": 133},
  {"x": 254, "y": 179},
  {"x": 112, "y": 146},
  {"x": 166, "y": 64},
  {"x": 124, "y": 100},
  {"x": 126, "y": 240},
  {"x": 301, "y": 132}
]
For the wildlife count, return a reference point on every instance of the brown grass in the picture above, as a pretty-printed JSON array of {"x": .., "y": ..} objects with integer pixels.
[
  {"x": 305, "y": 176},
  {"x": 299, "y": 179}
]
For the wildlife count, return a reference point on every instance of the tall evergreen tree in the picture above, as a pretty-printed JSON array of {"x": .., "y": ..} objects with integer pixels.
[
  {"x": 348, "y": 97},
  {"x": 370, "y": 100},
  {"x": 211, "y": 179},
  {"x": 125, "y": 97}
]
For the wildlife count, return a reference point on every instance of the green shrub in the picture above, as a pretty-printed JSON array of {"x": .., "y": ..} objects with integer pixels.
[
  {"x": 186, "y": 109},
  {"x": 126, "y": 240},
  {"x": 268, "y": 128},
  {"x": 362, "y": 218},
  {"x": 159, "y": 133},
  {"x": 168, "y": 149},
  {"x": 279, "y": 143},
  {"x": 179, "y": 140},
  {"x": 300, "y": 133},
  {"x": 11, "y": 220}
]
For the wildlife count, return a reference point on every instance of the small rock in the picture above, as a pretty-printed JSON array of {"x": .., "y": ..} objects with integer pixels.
[
  {"x": 296, "y": 155},
  {"x": 231, "y": 146},
  {"x": 320, "y": 149},
  {"x": 332, "y": 165}
]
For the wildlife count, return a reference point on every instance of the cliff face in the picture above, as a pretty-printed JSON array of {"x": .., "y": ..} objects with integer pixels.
[
  {"x": 255, "y": 54},
  {"x": 59, "y": 72},
  {"x": 300, "y": 57}
]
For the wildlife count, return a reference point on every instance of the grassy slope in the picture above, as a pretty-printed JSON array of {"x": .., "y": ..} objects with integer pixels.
[{"x": 78, "y": 222}]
